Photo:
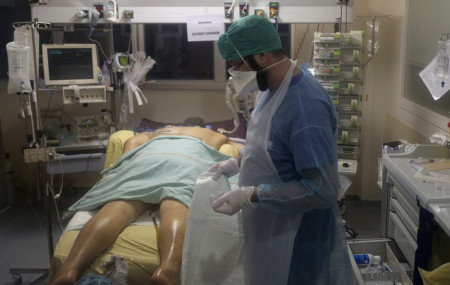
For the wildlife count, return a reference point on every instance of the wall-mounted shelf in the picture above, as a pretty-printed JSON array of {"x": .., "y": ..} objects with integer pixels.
[{"x": 337, "y": 66}]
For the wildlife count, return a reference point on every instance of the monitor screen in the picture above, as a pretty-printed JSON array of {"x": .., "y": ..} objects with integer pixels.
[{"x": 69, "y": 64}]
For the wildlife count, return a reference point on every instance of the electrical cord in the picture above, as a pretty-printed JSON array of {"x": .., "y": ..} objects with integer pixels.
[
  {"x": 99, "y": 45},
  {"x": 231, "y": 8},
  {"x": 297, "y": 52},
  {"x": 50, "y": 189}
]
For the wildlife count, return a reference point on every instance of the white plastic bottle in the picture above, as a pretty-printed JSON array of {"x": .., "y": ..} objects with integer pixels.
[{"x": 366, "y": 259}]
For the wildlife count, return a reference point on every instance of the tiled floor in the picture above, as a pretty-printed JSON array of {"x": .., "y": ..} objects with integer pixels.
[{"x": 24, "y": 243}]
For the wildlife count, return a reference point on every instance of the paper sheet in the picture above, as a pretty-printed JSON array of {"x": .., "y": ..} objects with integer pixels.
[
  {"x": 435, "y": 166},
  {"x": 432, "y": 83},
  {"x": 437, "y": 177},
  {"x": 204, "y": 27}
]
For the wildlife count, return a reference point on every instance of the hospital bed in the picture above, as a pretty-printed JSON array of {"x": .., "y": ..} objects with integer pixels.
[{"x": 137, "y": 243}]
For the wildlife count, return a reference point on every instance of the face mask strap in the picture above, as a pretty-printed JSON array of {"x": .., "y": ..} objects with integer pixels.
[{"x": 273, "y": 64}]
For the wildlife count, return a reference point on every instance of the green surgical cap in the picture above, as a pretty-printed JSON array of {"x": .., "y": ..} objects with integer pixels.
[{"x": 249, "y": 35}]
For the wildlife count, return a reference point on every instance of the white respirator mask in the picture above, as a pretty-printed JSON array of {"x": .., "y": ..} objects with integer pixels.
[{"x": 243, "y": 82}]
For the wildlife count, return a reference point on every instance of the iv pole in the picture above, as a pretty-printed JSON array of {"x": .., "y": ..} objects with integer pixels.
[{"x": 32, "y": 111}]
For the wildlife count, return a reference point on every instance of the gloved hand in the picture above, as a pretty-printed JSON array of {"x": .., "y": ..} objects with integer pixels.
[
  {"x": 229, "y": 167},
  {"x": 231, "y": 202}
]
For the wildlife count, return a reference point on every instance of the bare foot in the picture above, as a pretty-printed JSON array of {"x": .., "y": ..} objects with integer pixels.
[
  {"x": 65, "y": 278},
  {"x": 164, "y": 276}
]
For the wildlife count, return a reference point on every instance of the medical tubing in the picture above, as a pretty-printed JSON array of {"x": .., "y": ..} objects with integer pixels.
[
  {"x": 131, "y": 35},
  {"x": 232, "y": 109},
  {"x": 50, "y": 189}
]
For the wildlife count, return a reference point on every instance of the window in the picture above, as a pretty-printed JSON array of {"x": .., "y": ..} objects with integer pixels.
[
  {"x": 426, "y": 21},
  {"x": 178, "y": 59},
  {"x": 175, "y": 57}
]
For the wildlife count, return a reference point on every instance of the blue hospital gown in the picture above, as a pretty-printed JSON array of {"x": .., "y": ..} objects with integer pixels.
[
  {"x": 166, "y": 167},
  {"x": 302, "y": 145}
]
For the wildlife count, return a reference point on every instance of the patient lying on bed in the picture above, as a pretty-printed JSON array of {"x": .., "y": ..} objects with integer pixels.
[{"x": 156, "y": 168}]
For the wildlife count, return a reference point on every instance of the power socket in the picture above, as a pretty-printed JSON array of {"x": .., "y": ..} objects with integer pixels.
[
  {"x": 229, "y": 13},
  {"x": 243, "y": 9},
  {"x": 33, "y": 155},
  {"x": 274, "y": 10},
  {"x": 129, "y": 14},
  {"x": 260, "y": 12},
  {"x": 110, "y": 10}
]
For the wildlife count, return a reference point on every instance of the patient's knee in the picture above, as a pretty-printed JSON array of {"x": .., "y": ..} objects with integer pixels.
[{"x": 124, "y": 211}]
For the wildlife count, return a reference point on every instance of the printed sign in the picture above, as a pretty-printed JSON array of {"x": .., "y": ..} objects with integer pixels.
[{"x": 204, "y": 27}]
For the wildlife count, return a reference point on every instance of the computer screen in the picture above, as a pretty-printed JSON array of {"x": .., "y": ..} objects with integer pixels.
[{"x": 70, "y": 64}]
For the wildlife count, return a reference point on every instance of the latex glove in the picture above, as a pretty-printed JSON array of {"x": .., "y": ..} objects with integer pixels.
[
  {"x": 229, "y": 167},
  {"x": 117, "y": 270},
  {"x": 231, "y": 202}
]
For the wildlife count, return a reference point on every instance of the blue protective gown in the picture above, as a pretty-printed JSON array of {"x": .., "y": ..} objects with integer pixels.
[{"x": 301, "y": 144}]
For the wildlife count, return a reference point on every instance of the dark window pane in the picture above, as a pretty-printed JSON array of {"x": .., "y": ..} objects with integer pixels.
[{"x": 176, "y": 58}]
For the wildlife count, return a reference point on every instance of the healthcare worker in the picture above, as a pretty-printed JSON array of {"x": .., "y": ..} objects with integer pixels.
[{"x": 288, "y": 179}]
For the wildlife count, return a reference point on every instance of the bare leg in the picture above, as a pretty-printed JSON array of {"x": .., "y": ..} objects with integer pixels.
[
  {"x": 170, "y": 242},
  {"x": 96, "y": 236}
]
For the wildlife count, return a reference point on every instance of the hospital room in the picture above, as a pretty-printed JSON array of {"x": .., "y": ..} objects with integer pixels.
[{"x": 224, "y": 142}]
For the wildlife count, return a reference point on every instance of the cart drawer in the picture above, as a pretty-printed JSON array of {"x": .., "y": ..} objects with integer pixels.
[
  {"x": 412, "y": 209},
  {"x": 404, "y": 239},
  {"x": 389, "y": 252},
  {"x": 403, "y": 216}
]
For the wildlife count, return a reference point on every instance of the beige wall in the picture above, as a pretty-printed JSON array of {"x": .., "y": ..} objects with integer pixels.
[{"x": 386, "y": 115}]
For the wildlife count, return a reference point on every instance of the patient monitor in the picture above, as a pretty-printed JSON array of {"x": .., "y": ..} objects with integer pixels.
[
  {"x": 68, "y": 64},
  {"x": 75, "y": 68}
]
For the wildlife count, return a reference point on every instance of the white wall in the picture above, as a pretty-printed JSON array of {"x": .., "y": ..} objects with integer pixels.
[{"x": 391, "y": 116}]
